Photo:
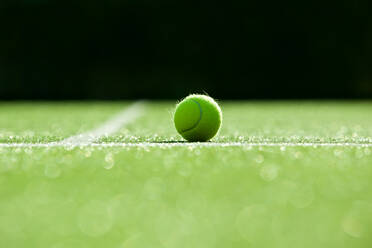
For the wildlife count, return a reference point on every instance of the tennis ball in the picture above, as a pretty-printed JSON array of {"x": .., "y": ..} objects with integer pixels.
[{"x": 197, "y": 118}]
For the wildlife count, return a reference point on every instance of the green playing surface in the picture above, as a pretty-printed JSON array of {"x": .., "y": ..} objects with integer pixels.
[{"x": 280, "y": 174}]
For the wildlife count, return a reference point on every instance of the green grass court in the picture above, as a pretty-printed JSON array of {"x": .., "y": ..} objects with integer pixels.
[{"x": 279, "y": 174}]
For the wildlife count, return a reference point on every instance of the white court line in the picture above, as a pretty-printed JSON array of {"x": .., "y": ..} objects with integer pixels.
[
  {"x": 111, "y": 126},
  {"x": 134, "y": 111},
  {"x": 181, "y": 144}
]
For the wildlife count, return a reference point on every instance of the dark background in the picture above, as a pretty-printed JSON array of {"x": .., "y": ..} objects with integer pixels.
[{"x": 166, "y": 49}]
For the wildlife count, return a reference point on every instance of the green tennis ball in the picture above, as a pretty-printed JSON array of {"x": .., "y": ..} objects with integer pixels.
[{"x": 198, "y": 118}]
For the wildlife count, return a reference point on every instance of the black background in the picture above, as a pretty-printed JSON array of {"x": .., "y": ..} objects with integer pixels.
[{"x": 167, "y": 49}]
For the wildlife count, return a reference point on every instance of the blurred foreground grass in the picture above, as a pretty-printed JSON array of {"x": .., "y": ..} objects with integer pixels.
[
  {"x": 186, "y": 197},
  {"x": 190, "y": 196}
]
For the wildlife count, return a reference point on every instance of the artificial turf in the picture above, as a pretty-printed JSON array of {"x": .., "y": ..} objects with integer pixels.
[{"x": 190, "y": 195}]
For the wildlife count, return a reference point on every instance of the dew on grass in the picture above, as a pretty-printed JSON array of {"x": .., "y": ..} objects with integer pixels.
[
  {"x": 146, "y": 148},
  {"x": 109, "y": 161},
  {"x": 342, "y": 131},
  {"x": 94, "y": 219},
  {"x": 357, "y": 219},
  {"x": 28, "y": 133},
  {"x": 168, "y": 163},
  {"x": 13, "y": 162},
  {"x": 87, "y": 153},
  {"x": 28, "y": 150},
  {"x": 298, "y": 155},
  {"x": 69, "y": 147},
  {"x": 259, "y": 159},
  {"x": 248, "y": 148},
  {"x": 269, "y": 172},
  {"x": 367, "y": 151},
  {"x": 197, "y": 152},
  {"x": 338, "y": 152}
]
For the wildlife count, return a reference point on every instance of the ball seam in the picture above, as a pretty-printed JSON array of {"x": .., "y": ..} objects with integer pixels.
[{"x": 198, "y": 121}]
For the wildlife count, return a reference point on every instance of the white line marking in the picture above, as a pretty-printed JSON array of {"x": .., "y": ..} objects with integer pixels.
[
  {"x": 181, "y": 144},
  {"x": 111, "y": 126}
]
